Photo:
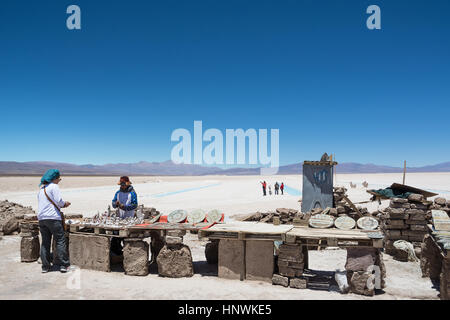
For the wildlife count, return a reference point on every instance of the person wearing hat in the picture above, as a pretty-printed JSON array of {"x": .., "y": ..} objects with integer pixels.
[
  {"x": 126, "y": 200},
  {"x": 50, "y": 220}
]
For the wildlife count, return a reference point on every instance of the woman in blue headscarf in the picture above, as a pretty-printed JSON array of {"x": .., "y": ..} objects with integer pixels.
[{"x": 50, "y": 224}]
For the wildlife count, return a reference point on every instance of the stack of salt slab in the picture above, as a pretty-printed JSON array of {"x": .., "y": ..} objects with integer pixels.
[
  {"x": 10, "y": 216},
  {"x": 291, "y": 262},
  {"x": 405, "y": 219},
  {"x": 342, "y": 207},
  {"x": 29, "y": 244}
]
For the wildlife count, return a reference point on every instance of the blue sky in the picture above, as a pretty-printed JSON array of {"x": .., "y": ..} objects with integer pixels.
[{"x": 115, "y": 90}]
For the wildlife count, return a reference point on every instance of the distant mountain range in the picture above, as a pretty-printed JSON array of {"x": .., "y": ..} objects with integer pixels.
[{"x": 170, "y": 168}]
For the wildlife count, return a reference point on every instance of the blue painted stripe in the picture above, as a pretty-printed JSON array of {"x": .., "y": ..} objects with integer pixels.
[
  {"x": 292, "y": 191},
  {"x": 160, "y": 195}
]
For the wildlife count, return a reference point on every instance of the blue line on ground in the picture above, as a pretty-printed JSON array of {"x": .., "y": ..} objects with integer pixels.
[
  {"x": 292, "y": 191},
  {"x": 160, "y": 195}
]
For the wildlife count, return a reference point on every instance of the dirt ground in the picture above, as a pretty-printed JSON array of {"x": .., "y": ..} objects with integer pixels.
[{"x": 25, "y": 281}]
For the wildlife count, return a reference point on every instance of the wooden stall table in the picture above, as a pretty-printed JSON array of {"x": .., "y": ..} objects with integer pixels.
[
  {"x": 90, "y": 244},
  {"x": 331, "y": 237},
  {"x": 246, "y": 249}
]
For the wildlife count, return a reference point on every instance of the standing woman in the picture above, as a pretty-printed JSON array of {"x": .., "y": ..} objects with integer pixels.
[{"x": 50, "y": 221}]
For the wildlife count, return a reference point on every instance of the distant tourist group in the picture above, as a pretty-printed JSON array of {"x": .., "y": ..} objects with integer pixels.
[{"x": 277, "y": 188}]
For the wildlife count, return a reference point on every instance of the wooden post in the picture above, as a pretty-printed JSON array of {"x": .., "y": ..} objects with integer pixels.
[
  {"x": 243, "y": 271},
  {"x": 334, "y": 170},
  {"x": 404, "y": 172}
]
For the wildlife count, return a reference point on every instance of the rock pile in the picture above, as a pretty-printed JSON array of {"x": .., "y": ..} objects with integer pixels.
[
  {"x": 285, "y": 215},
  {"x": 441, "y": 204},
  {"x": 405, "y": 219},
  {"x": 293, "y": 216},
  {"x": 342, "y": 205},
  {"x": 10, "y": 215}
]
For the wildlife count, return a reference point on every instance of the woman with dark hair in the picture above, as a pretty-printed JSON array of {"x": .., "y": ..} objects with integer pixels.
[{"x": 51, "y": 221}]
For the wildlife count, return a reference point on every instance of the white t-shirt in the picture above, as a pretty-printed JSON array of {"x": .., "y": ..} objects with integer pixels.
[{"x": 46, "y": 210}]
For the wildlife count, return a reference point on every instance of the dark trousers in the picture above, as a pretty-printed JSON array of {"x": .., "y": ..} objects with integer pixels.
[
  {"x": 281, "y": 191},
  {"x": 276, "y": 191},
  {"x": 48, "y": 229},
  {"x": 264, "y": 191}
]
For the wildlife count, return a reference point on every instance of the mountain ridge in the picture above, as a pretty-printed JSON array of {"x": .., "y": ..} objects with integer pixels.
[{"x": 170, "y": 168}]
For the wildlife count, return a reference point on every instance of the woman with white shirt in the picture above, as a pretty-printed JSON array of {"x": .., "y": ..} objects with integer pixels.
[{"x": 50, "y": 221}]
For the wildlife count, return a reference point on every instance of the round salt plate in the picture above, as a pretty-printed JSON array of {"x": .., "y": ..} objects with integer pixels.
[
  {"x": 321, "y": 221},
  {"x": 196, "y": 216},
  {"x": 177, "y": 216},
  {"x": 213, "y": 216},
  {"x": 375, "y": 235},
  {"x": 367, "y": 223},
  {"x": 345, "y": 223}
]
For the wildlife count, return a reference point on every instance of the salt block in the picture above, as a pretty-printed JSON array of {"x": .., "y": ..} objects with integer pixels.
[
  {"x": 90, "y": 252},
  {"x": 430, "y": 259},
  {"x": 135, "y": 257},
  {"x": 231, "y": 258},
  {"x": 298, "y": 283},
  {"x": 280, "y": 280},
  {"x": 359, "y": 259},
  {"x": 259, "y": 260},
  {"x": 29, "y": 249},
  {"x": 10, "y": 225},
  {"x": 415, "y": 197},
  {"x": 175, "y": 262},
  {"x": 363, "y": 283}
]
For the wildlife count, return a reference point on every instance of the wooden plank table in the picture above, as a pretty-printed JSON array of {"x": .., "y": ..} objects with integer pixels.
[
  {"x": 131, "y": 231},
  {"x": 242, "y": 230},
  {"x": 246, "y": 249},
  {"x": 331, "y": 237}
]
